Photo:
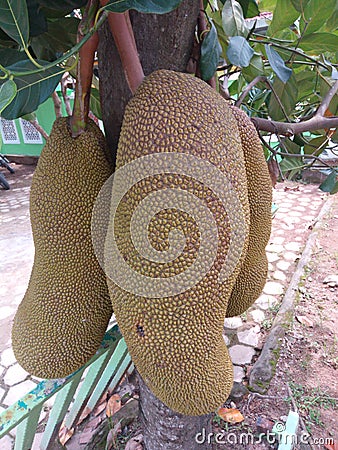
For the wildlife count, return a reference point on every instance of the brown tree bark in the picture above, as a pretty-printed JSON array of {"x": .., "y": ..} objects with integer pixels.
[
  {"x": 163, "y": 41},
  {"x": 163, "y": 429}
]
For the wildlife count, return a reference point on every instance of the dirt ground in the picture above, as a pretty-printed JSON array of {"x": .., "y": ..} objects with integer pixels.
[{"x": 306, "y": 376}]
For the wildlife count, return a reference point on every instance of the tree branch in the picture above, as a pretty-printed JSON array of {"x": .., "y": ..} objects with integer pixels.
[
  {"x": 57, "y": 104},
  {"x": 39, "y": 128},
  {"x": 122, "y": 31},
  {"x": 79, "y": 118},
  {"x": 290, "y": 129}
]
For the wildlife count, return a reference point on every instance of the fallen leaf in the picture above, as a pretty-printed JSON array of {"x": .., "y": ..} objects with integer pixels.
[
  {"x": 135, "y": 443},
  {"x": 111, "y": 438},
  {"x": 65, "y": 434},
  {"x": 230, "y": 415},
  {"x": 333, "y": 446},
  {"x": 305, "y": 321},
  {"x": 113, "y": 405},
  {"x": 85, "y": 413},
  {"x": 98, "y": 410}
]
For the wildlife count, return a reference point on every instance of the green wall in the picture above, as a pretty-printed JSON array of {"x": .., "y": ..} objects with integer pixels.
[{"x": 45, "y": 115}]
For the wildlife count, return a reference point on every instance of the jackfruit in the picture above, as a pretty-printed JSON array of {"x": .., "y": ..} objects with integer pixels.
[
  {"x": 175, "y": 337},
  {"x": 63, "y": 316},
  {"x": 252, "y": 277}
]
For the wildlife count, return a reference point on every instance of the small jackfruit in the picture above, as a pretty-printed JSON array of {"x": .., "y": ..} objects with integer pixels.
[
  {"x": 175, "y": 339},
  {"x": 62, "y": 318}
]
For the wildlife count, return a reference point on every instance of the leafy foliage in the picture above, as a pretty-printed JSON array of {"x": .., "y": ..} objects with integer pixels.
[{"x": 293, "y": 44}]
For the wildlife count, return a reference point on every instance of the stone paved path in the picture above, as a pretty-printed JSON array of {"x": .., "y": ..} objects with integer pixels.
[{"x": 298, "y": 208}]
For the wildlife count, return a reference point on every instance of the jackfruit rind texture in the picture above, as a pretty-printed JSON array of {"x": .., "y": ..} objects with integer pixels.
[
  {"x": 62, "y": 318},
  {"x": 176, "y": 341},
  {"x": 251, "y": 279}
]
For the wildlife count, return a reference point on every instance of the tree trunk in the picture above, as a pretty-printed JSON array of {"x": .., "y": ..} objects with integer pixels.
[
  {"x": 163, "y": 42},
  {"x": 164, "y": 429}
]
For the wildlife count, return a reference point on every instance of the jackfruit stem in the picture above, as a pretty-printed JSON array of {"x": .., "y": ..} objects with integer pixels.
[
  {"x": 122, "y": 31},
  {"x": 79, "y": 118}
]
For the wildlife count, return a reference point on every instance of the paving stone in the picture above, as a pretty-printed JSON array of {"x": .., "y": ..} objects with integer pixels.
[
  {"x": 6, "y": 311},
  {"x": 266, "y": 301},
  {"x": 294, "y": 213},
  {"x": 37, "y": 441},
  {"x": 279, "y": 232},
  {"x": 17, "y": 391},
  {"x": 291, "y": 256},
  {"x": 7, "y": 357},
  {"x": 15, "y": 374},
  {"x": 248, "y": 337},
  {"x": 273, "y": 288},
  {"x": 283, "y": 265},
  {"x": 241, "y": 354},
  {"x": 272, "y": 257},
  {"x": 278, "y": 240},
  {"x": 275, "y": 248},
  {"x": 6, "y": 443},
  {"x": 309, "y": 217},
  {"x": 257, "y": 315},
  {"x": 293, "y": 246},
  {"x": 233, "y": 322},
  {"x": 239, "y": 374},
  {"x": 279, "y": 275}
]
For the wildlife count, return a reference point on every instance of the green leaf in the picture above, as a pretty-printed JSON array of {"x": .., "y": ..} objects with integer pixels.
[
  {"x": 95, "y": 105},
  {"x": 14, "y": 20},
  {"x": 210, "y": 53},
  {"x": 7, "y": 94},
  {"x": 239, "y": 51},
  {"x": 292, "y": 165},
  {"x": 316, "y": 43},
  {"x": 284, "y": 16},
  {"x": 306, "y": 82},
  {"x": 277, "y": 64},
  {"x": 60, "y": 37},
  {"x": 330, "y": 184},
  {"x": 291, "y": 146},
  {"x": 11, "y": 56},
  {"x": 32, "y": 90},
  {"x": 66, "y": 5},
  {"x": 314, "y": 144},
  {"x": 143, "y": 6},
  {"x": 254, "y": 69},
  {"x": 331, "y": 24},
  {"x": 233, "y": 20},
  {"x": 249, "y": 7},
  {"x": 30, "y": 116},
  {"x": 287, "y": 93},
  {"x": 316, "y": 13},
  {"x": 37, "y": 19}
]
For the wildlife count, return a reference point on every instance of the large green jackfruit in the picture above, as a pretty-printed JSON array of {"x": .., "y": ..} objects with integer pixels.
[
  {"x": 62, "y": 318},
  {"x": 175, "y": 339}
]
